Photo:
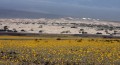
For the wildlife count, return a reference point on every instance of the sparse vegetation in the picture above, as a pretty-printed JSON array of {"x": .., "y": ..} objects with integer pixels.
[
  {"x": 40, "y": 26},
  {"x": 68, "y": 31},
  {"x": 61, "y": 26},
  {"x": 22, "y": 30},
  {"x": 14, "y": 30},
  {"x": 6, "y": 28},
  {"x": 41, "y": 31}
]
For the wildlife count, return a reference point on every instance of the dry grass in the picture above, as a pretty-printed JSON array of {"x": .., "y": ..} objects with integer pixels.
[{"x": 84, "y": 51}]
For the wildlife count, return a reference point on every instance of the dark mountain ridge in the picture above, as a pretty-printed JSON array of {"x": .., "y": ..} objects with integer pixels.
[{"x": 6, "y": 13}]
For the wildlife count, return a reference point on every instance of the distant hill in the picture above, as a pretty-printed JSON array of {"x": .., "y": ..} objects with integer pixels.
[{"x": 6, "y": 13}]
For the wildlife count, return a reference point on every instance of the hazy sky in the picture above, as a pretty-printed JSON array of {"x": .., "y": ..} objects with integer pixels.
[{"x": 106, "y": 9}]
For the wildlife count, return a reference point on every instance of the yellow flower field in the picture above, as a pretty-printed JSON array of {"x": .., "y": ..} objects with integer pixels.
[{"x": 82, "y": 51}]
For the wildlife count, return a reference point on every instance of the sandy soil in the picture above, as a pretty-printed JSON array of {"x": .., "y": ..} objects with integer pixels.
[{"x": 61, "y": 26}]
